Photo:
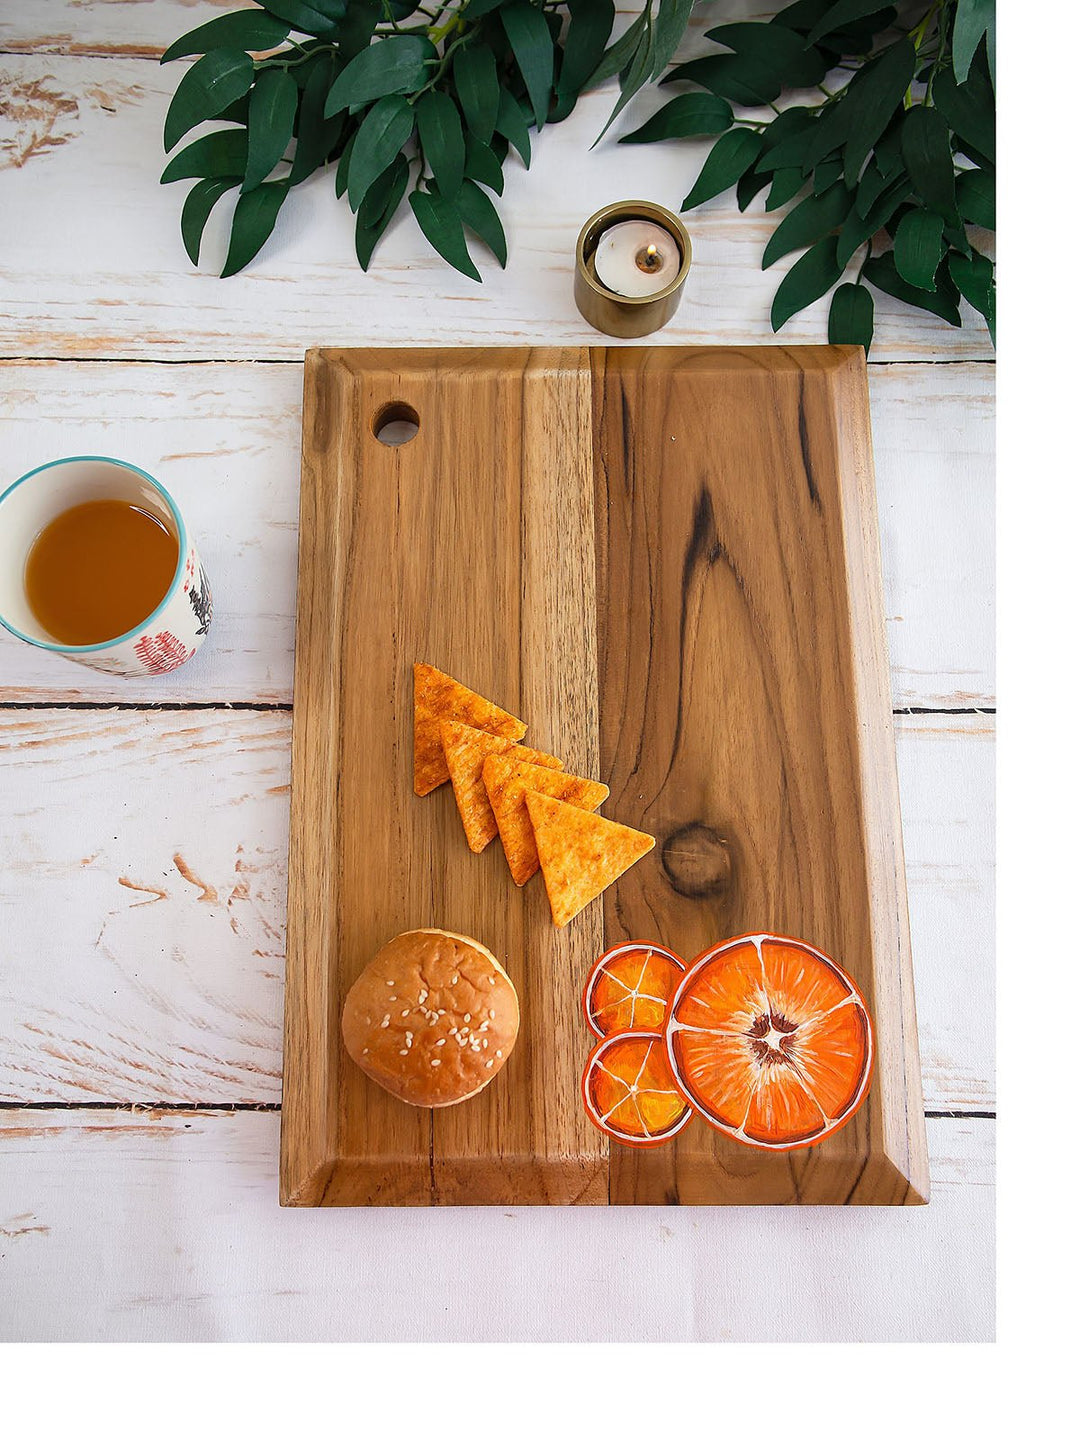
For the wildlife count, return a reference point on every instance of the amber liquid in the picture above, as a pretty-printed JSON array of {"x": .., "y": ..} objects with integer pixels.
[{"x": 98, "y": 570}]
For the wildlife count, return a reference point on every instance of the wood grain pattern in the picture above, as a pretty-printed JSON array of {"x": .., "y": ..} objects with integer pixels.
[
  {"x": 745, "y": 723},
  {"x": 436, "y": 550},
  {"x": 737, "y": 695},
  {"x": 225, "y": 439}
]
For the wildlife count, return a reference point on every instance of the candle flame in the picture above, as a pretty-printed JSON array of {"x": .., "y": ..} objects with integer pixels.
[{"x": 649, "y": 259}]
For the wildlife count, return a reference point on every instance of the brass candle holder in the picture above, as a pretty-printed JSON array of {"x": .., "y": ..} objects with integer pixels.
[{"x": 627, "y": 316}]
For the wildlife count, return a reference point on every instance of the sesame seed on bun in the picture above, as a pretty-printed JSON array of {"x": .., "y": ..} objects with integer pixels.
[{"x": 432, "y": 1017}]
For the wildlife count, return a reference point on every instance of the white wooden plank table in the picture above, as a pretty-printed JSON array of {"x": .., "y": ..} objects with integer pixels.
[{"x": 144, "y": 825}]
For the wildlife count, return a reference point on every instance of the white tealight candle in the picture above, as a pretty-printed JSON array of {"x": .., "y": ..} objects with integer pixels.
[{"x": 636, "y": 258}]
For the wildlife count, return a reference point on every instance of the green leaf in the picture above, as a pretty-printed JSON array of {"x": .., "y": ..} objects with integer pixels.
[
  {"x": 802, "y": 16},
  {"x": 270, "y": 123},
  {"x": 811, "y": 220},
  {"x": 316, "y": 136},
  {"x": 975, "y": 198},
  {"x": 313, "y": 17},
  {"x": 787, "y": 139},
  {"x": 441, "y": 139},
  {"x": 771, "y": 52},
  {"x": 858, "y": 229},
  {"x": 918, "y": 247},
  {"x": 969, "y": 109},
  {"x": 634, "y": 76},
  {"x": 444, "y": 230},
  {"x": 482, "y": 164},
  {"x": 341, "y": 177},
  {"x": 253, "y": 221},
  {"x": 244, "y": 30},
  {"x": 393, "y": 66},
  {"x": 354, "y": 33},
  {"x": 204, "y": 91},
  {"x": 590, "y": 26},
  {"x": 881, "y": 272},
  {"x": 766, "y": 60},
  {"x": 479, "y": 214},
  {"x": 512, "y": 123},
  {"x": 973, "y": 277},
  {"x": 974, "y": 19},
  {"x": 927, "y": 154},
  {"x": 851, "y": 316},
  {"x": 380, "y": 203},
  {"x": 685, "y": 115},
  {"x": 669, "y": 28},
  {"x": 827, "y": 174},
  {"x": 217, "y": 155},
  {"x": 786, "y": 184},
  {"x": 477, "y": 85},
  {"x": 870, "y": 100},
  {"x": 621, "y": 53},
  {"x": 530, "y": 40},
  {"x": 749, "y": 185},
  {"x": 384, "y": 130},
  {"x": 873, "y": 185},
  {"x": 731, "y": 156},
  {"x": 808, "y": 279},
  {"x": 201, "y": 199},
  {"x": 381, "y": 189},
  {"x": 842, "y": 13}
]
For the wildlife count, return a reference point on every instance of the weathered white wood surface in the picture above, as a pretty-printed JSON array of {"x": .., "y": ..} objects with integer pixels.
[
  {"x": 142, "y": 854},
  {"x": 167, "y": 1226},
  {"x": 143, "y": 959},
  {"x": 225, "y": 438},
  {"x": 80, "y": 143}
]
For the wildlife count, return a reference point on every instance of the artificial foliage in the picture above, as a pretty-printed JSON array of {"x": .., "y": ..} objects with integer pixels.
[{"x": 882, "y": 155}]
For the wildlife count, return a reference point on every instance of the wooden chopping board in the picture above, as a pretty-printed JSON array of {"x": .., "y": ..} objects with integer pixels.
[{"x": 666, "y": 561}]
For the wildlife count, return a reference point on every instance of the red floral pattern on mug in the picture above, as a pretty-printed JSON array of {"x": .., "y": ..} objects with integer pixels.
[{"x": 162, "y": 652}]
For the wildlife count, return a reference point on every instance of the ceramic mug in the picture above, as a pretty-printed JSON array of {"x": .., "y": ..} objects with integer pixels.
[{"x": 168, "y": 636}]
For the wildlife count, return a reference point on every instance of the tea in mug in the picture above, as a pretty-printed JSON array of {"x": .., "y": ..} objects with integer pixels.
[{"x": 99, "y": 570}]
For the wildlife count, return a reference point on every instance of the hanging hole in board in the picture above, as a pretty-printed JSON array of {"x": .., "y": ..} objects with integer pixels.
[{"x": 395, "y": 424}]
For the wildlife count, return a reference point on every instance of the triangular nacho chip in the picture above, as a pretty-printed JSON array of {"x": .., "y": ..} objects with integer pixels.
[
  {"x": 580, "y": 854},
  {"x": 507, "y": 781},
  {"x": 466, "y": 749},
  {"x": 438, "y": 697}
]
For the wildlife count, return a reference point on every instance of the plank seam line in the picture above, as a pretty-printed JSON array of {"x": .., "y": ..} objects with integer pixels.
[
  {"x": 196, "y": 1107},
  {"x": 284, "y": 707},
  {"x": 143, "y": 1107},
  {"x": 77, "y": 359},
  {"x": 258, "y": 706}
]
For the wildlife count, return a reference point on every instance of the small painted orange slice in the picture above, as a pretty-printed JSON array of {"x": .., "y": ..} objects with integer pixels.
[
  {"x": 629, "y": 1092},
  {"x": 770, "y": 1041},
  {"x": 629, "y": 988}
]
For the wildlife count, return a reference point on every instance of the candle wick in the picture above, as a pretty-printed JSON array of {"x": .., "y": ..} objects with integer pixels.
[{"x": 649, "y": 259}]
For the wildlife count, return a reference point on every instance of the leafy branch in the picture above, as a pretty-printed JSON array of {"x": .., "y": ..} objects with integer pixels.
[
  {"x": 397, "y": 98},
  {"x": 895, "y": 163}
]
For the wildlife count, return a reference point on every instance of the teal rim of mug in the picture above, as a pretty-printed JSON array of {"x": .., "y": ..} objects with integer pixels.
[{"x": 181, "y": 556}]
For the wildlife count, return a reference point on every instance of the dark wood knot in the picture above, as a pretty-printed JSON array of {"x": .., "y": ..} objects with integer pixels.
[{"x": 697, "y": 861}]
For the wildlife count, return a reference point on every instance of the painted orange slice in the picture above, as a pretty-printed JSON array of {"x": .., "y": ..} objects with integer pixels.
[
  {"x": 770, "y": 1041},
  {"x": 629, "y": 988},
  {"x": 629, "y": 1092}
]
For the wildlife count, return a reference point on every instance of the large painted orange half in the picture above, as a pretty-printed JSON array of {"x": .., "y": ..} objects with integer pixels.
[
  {"x": 770, "y": 1041},
  {"x": 629, "y": 1092},
  {"x": 630, "y": 986}
]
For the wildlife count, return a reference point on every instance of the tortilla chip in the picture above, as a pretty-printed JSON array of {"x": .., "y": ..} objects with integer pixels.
[
  {"x": 580, "y": 854},
  {"x": 438, "y": 697},
  {"x": 466, "y": 749},
  {"x": 508, "y": 781}
]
